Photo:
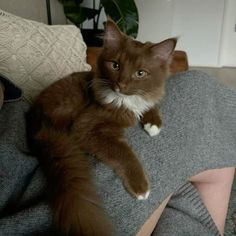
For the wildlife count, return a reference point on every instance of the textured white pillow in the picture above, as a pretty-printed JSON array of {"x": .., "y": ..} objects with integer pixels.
[{"x": 33, "y": 55}]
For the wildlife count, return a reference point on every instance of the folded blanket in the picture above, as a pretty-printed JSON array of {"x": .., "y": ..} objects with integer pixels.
[{"x": 23, "y": 210}]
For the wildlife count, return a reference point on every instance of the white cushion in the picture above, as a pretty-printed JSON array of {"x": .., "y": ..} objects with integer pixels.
[{"x": 33, "y": 55}]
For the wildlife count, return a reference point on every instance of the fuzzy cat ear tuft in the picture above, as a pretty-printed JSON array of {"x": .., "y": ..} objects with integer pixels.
[
  {"x": 113, "y": 34},
  {"x": 164, "y": 49}
]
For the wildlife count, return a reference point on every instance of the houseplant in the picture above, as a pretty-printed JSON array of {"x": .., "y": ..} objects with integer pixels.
[{"x": 124, "y": 13}]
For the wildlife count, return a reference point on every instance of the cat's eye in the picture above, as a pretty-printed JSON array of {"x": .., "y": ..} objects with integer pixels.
[
  {"x": 115, "y": 65},
  {"x": 140, "y": 73}
]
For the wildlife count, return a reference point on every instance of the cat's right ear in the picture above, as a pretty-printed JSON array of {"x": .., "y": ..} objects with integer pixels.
[
  {"x": 164, "y": 49},
  {"x": 112, "y": 36}
]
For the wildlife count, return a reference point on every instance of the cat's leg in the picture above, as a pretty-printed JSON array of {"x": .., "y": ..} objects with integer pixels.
[
  {"x": 151, "y": 122},
  {"x": 116, "y": 153},
  {"x": 71, "y": 194}
]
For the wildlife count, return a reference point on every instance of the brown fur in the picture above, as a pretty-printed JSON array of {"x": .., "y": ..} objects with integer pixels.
[{"x": 70, "y": 119}]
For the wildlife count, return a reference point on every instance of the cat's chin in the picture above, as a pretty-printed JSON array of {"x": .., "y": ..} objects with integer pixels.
[
  {"x": 117, "y": 90},
  {"x": 120, "y": 92}
]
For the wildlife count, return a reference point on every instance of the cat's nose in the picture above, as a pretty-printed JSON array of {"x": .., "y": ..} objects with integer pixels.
[{"x": 121, "y": 85}]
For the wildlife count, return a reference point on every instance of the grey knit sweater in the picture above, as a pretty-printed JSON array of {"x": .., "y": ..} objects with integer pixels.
[{"x": 198, "y": 133}]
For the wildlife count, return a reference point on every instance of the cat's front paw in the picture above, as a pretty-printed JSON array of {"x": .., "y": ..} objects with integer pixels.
[
  {"x": 143, "y": 196},
  {"x": 138, "y": 187},
  {"x": 151, "y": 129},
  {"x": 143, "y": 190}
]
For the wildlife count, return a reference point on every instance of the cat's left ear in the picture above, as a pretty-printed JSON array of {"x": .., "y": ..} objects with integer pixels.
[
  {"x": 164, "y": 49},
  {"x": 113, "y": 35}
]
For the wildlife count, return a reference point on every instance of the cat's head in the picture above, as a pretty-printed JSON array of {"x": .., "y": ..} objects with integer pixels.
[{"x": 128, "y": 67}]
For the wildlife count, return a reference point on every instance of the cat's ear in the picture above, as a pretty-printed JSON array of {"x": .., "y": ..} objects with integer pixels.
[
  {"x": 164, "y": 49},
  {"x": 113, "y": 35}
]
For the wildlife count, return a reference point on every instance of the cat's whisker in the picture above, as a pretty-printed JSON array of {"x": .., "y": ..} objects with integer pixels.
[
  {"x": 140, "y": 92},
  {"x": 93, "y": 82},
  {"x": 90, "y": 84},
  {"x": 102, "y": 81}
]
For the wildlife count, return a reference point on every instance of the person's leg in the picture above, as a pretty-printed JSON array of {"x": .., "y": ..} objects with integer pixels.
[
  {"x": 148, "y": 227},
  {"x": 214, "y": 187}
]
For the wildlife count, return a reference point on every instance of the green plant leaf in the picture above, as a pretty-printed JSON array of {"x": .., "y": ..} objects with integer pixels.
[
  {"x": 124, "y": 13},
  {"x": 78, "y": 15}
]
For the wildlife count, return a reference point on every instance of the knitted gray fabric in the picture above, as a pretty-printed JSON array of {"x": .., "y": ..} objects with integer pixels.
[
  {"x": 198, "y": 133},
  {"x": 22, "y": 184},
  {"x": 184, "y": 215}
]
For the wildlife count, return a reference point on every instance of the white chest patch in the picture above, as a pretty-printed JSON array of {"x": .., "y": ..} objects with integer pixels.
[{"x": 134, "y": 103}]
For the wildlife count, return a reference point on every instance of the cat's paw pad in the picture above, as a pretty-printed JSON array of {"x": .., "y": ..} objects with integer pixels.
[
  {"x": 143, "y": 196},
  {"x": 152, "y": 130}
]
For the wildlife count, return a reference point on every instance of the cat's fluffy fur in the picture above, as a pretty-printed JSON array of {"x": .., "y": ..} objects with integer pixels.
[{"x": 86, "y": 113}]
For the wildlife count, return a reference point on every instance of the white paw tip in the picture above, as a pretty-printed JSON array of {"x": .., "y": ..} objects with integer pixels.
[
  {"x": 152, "y": 130},
  {"x": 143, "y": 196}
]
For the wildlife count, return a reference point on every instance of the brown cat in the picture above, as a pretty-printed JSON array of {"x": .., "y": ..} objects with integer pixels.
[{"x": 86, "y": 113}]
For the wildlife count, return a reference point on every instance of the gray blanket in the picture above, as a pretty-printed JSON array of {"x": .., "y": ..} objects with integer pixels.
[
  {"x": 199, "y": 133},
  {"x": 22, "y": 185}
]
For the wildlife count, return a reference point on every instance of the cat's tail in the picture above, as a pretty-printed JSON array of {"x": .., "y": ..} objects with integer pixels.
[{"x": 75, "y": 204}]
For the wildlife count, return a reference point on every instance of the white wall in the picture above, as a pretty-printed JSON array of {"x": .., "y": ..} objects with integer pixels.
[
  {"x": 205, "y": 27},
  {"x": 198, "y": 23},
  {"x": 155, "y": 19},
  {"x": 34, "y": 10},
  {"x": 228, "y": 44}
]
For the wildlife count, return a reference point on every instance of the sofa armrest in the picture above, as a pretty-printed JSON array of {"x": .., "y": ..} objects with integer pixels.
[{"x": 179, "y": 62}]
